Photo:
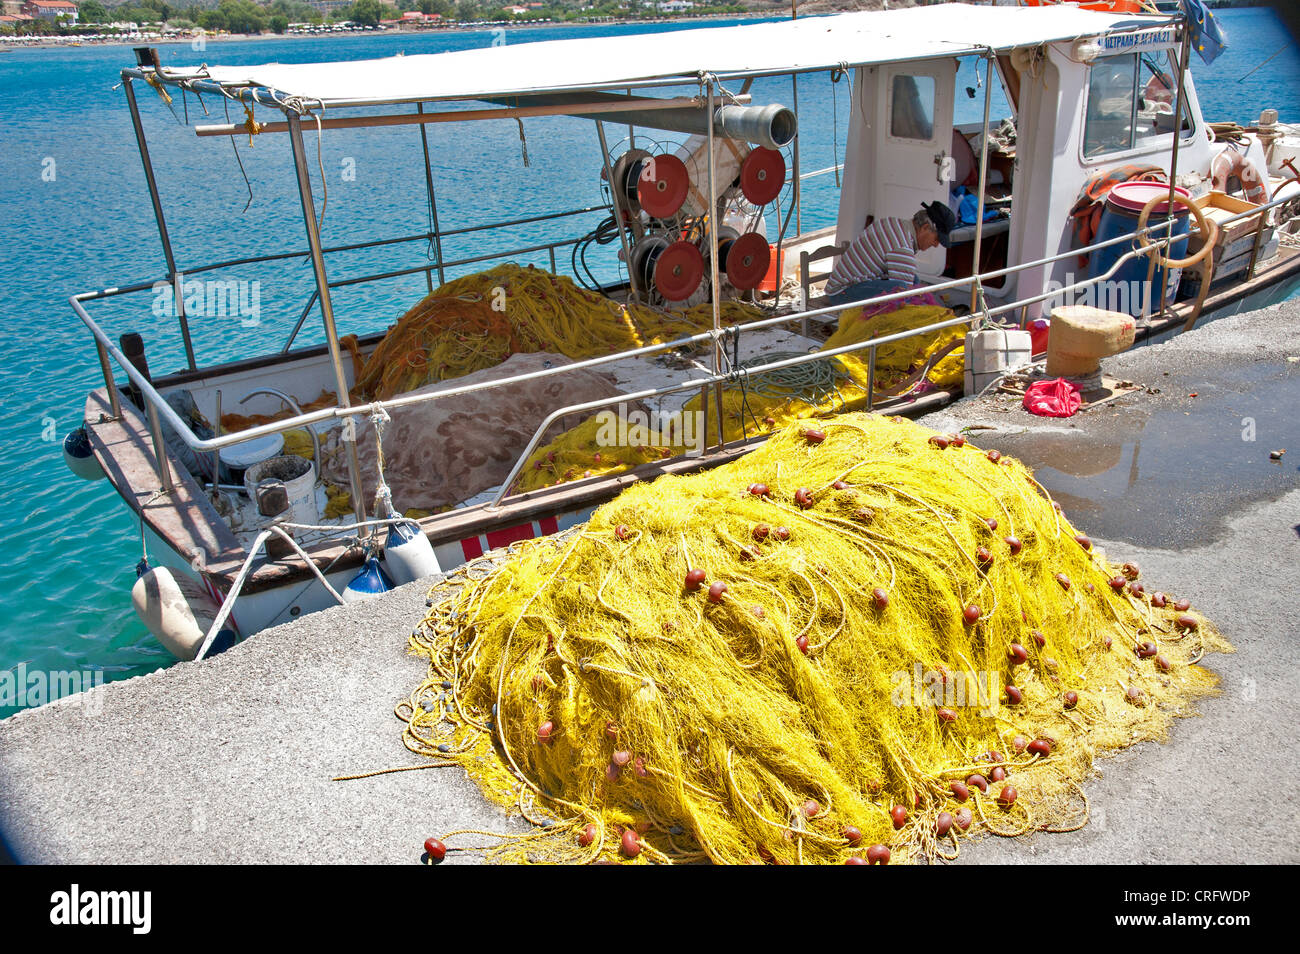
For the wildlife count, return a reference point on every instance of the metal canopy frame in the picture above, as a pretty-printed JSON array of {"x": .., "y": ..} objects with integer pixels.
[{"x": 296, "y": 110}]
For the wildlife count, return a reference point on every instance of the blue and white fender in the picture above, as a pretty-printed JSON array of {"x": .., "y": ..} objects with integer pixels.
[
  {"x": 371, "y": 581},
  {"x": 79, "y": 457}
]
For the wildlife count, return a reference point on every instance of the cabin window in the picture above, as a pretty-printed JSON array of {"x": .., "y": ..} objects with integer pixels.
[
  {"x": 912, "y": 107},
  {"x": 1130, "y": 100}
]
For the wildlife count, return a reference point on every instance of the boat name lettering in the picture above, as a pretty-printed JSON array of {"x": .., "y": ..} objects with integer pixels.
[{"x": 1136, "y": 41}]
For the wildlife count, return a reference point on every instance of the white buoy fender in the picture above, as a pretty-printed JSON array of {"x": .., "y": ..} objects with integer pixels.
[
  {"x": 176, "y": 609},
  {"x": 371, "y": 581},
  {"x": 79, "y": 457},
  {"x": 408, "y": 554}
]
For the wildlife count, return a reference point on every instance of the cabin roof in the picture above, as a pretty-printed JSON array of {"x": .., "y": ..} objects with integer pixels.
[{"x": 810, "y": 43}]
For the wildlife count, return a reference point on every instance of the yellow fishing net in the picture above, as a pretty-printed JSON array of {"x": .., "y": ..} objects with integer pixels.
[
  {"x": 761, "y": 404},
  {"x": 479, "y": 320},
  {"x": 879, "y": 616}
]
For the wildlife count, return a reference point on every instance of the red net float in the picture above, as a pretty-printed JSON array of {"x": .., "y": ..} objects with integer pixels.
[
  {"x": 762, "y": 175},
  {"x": 679, "y": 269},
  {"x": 662, "y": 186},
  {"x": 747, "y": 258}
]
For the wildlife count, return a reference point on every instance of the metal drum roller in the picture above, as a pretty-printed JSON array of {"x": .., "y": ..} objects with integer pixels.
[
  {"x": 678, "y": 271},
  {"x": 747, "y": 259},
  {"x": 662, "y": 185},
  {"x": 726, "y": 235},
  {"x": 645, "y": 253},
  {"x": 624, "y": 175},
  {"x": 762, "y": 175}
]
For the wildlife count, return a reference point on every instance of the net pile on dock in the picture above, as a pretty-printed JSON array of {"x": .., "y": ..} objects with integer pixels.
[
  {"x": 861, "y": 637},
  {"x": 479, "y": 320}
]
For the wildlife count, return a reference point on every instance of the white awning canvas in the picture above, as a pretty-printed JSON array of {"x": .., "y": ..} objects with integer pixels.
[{"x": 811, "y": 43}]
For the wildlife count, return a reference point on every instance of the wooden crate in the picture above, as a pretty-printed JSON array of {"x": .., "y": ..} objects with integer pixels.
[{"x": 1219, "y": 207}]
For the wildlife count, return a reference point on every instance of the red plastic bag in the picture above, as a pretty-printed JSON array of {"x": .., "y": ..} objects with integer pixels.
[{"x": 1058, "y": 398}]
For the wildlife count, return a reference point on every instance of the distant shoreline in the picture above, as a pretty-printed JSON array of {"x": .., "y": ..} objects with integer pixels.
[{"x": 14, "y": 44}]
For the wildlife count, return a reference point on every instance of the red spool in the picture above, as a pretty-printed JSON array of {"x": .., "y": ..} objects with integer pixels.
[
  {"x": 662, "y": 186},
  {"x": 748, "y": 258},
  {"x": 679, "y": 269},
  {"x": 762, "y": 175}
]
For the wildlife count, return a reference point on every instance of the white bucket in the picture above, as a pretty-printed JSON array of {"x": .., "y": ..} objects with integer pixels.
[
  {"x": 299, "y": 477},
  {"x": 237, "y": 458}
]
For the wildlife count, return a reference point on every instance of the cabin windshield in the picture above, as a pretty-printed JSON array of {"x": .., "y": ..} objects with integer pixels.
[{"x": 1130, "y": 100}]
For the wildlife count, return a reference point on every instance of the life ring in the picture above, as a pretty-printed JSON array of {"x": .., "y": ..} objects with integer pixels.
[
  {"x": 1207, "y": 228},
  {"x": 1231, "y": 163}
]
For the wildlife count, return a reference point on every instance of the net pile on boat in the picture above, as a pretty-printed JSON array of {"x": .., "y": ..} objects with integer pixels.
[
  {"x": 862, "y": 637},
  {"x": 479, "y": 320}
]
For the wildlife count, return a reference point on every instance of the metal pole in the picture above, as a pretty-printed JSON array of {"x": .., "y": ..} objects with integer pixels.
[
  {"x": 798, "y": 184},
  {"x": 984, "y": 177},
  {"x": 326, "y": 304},
  {"x": 149, "y": 179},
  {"x": 616, "y": 200},
  {"x": 433, "y": 201},
  {"x": 113, "y": 400},
  {"x": 871, "y": 378},
  {"x": 1173, "y": 158},
  {"x": 715, "y": 222},
  {"x": 631, "y": 128},
  {"x": 159, "y": 448}
]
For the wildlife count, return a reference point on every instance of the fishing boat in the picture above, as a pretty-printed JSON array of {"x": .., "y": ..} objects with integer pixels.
[{"x": 701, "y": 187}]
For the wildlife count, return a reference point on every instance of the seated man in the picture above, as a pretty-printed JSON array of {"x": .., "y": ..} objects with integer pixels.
[{"x": 882, "y": 259}]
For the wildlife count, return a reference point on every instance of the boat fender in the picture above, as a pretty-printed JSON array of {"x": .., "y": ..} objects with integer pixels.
[
  {"x": 408, "y": 554},
  {"x": 371, "y": 581},
  {"x": 178, "y": 611},
  {"x": 1232, "y": 164},
  {"x": 79, "y": 456}
]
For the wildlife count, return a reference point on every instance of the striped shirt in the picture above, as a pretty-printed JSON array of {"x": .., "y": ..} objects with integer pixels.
[{"x": 885, "y": 249}]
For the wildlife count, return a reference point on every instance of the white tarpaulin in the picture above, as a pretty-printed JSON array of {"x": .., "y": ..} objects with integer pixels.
[{"x": 853, "y": 39}]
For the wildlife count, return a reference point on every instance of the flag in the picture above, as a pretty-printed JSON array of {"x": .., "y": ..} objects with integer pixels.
[{"x": 1207, "y": 39}]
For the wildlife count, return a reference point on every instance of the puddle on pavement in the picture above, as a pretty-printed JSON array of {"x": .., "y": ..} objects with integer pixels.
[{"x": 1170, "y": 477}]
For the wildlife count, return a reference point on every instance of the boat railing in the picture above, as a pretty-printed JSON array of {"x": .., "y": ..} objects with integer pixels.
[
  {"x": 439, "y": 264},
  {"x": 157, "y": 408}
]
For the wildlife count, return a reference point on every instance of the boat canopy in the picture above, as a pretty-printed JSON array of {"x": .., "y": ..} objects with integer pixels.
[{"x": 660, "y": 59}]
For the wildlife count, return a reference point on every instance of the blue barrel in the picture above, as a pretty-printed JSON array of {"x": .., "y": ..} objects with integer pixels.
[{"x": 1127, "y": 290}]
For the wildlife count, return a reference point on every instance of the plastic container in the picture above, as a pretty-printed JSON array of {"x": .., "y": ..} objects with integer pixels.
[
  {"x": 299, "y": 476},
  {"x": 775, "y": 269},
  {"x": 1127, "y": 290},
  {"x": 991, "y": 354},
  {"x": 237, "y": 458}
]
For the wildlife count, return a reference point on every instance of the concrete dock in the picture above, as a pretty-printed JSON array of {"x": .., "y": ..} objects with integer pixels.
[{"x": 231, "y": 760}]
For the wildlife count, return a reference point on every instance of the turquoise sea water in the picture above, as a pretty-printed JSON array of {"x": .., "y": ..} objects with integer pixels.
[{"x": 74, "y": 215}]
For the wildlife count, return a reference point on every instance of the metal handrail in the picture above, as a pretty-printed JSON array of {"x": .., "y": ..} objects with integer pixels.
[
  {"x": 398, "y": 240},
  {"x": 214, "y": 444},
  {"x": 415, "y": 270},
  {"x": 159, "y": 406}
]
